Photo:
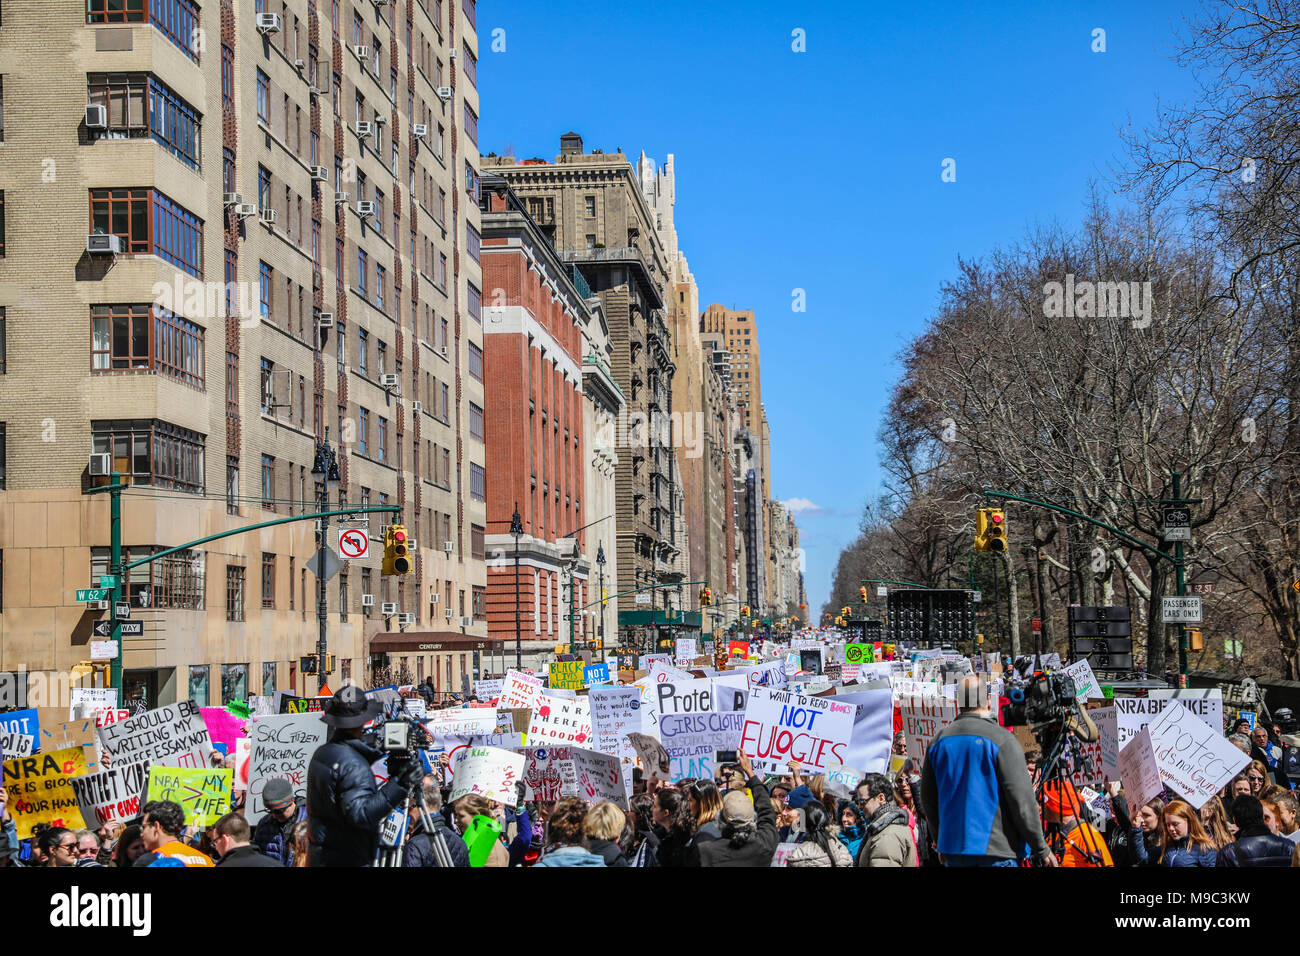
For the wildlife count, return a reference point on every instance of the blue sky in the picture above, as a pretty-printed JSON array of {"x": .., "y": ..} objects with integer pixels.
[{"x": 820, "y": 170}]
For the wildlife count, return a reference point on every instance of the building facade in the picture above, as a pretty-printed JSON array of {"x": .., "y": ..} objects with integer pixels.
[{"x": 267, "y": 233}]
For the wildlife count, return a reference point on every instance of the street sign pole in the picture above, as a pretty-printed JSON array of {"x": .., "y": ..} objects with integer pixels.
[
  {"x": 115, "y": 569},
  {"x": 1182, "y": 590}
]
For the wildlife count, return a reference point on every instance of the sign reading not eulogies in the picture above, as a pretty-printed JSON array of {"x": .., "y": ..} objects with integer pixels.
[
  {"x": 112, "y": 794},
  {"x": 282, "y": 746},
  {"x": 559, "y": 720},
  {"x": 519, "y": 691},
  {"x": 923, "y": 718},
  {"x": 40, "y": 790},
  {"x": 1193, "y": 758},
  {"x": 170, "y": 736},
  {"x": 693, "y": 739},
  {"x": 203, "y": 794},
  {"x": 489, "y": 772},
  {"x": 781, "y": 726}
]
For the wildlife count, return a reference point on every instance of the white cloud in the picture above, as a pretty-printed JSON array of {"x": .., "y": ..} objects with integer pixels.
[{"x": 800, "y": 505}]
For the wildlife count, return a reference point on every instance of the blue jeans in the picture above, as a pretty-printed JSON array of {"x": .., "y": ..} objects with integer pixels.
[{"x": 961, "y": 859}]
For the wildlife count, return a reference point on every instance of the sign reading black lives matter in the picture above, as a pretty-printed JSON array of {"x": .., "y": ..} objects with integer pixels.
[{"x": 170, "y": 736}]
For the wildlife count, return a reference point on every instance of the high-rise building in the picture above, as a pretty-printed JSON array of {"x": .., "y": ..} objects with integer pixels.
[
  {"x": 739, "y": 333},
  {"x": 592, "y": 208},
  {"x": 235, "y": 230}
]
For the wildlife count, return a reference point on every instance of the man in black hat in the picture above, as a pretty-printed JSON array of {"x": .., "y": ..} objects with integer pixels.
[{"x": 344, "y": 805}]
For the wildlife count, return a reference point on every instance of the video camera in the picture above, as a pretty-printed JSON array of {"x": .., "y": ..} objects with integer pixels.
[
  {"x": 1043, "y": 698},
  {"x": 400, "y": 736}
]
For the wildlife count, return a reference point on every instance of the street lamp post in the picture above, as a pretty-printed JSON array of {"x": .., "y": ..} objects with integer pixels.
[
  {"x": 326, "y": 466},
  {"x": 516, "y": 529},
  {"x": 600, "y": 565}
]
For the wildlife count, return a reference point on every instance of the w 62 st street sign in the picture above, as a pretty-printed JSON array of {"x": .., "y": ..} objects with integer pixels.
[{"x": 1180, "y": 610}]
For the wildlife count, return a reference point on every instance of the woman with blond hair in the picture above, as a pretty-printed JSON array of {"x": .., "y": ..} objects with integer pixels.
[
  {"x": 1215, "y": 820},
  {"x": 1186, "y": 842},
  {"x": 605, "y": 826}
]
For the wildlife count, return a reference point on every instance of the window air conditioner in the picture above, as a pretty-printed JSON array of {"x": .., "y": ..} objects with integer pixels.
[
  {"x": 449, "y": 546},
  {"x": 268, "y": 23},
  {"x": 444, "y": 93},
  {"x": 466, "y": 622},
  {"x": 418, "y": 406},
  {"x": 96, "y": 116},
  {"x": 420, "y": 130},
  {"x": 388, "y": 608},
  {"x": 435, "y": 597},
  {"x": 101, "y": 464},
  {"x": 268, "y": 217},
  {"x": 365, "y": 129},
  {"x": 367, "y": 600},
  {"x": 366, "y": 207},
  {"x": 325, "y": 320},
  {"x": 388, "y": 380},
  {"x": 320, "y": 174},
  {"x": 231, "y": 199},
  {"x": 362, "y": 52},
  {"x": 245, "y": 210},
  {"x": 99, "y": 243}
]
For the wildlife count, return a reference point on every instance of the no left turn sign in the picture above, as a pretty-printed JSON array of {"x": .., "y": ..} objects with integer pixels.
[{"x": 353, "y": 543}]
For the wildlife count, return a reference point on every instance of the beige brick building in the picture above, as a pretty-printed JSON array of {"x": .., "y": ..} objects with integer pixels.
[{"x": 213, "y": 399}]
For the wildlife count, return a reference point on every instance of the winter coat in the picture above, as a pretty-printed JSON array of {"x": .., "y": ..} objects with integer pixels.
[
  {"x": 758, "y": 849},
  {"x": 609, "y": 851},
  {"x": 888, "y": 840},
  {"x": 247, "y": 856},
  {"x": 674, "y": 850},
  {"x": 272, "y": 837},
  {"x": 808, "y": 853},
  {"x": 647, "y": 854},
  {"x": 344, "y": 804},
  {"x": 976, "y": 792},
  {"x": 1179, "y": 853},
  {"x": 708, "y": 831},
  {"x": 1257, "y": 846},
  {"x": 419, "y": 851},
  {"x": 569, "y": 856}
]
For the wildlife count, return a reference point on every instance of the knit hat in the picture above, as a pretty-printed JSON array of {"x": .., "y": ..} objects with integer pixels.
[
  {"x": 737, "y": 808},
  {"x": 277, "y": 794},
  {"x": 1061, "y": 797}
]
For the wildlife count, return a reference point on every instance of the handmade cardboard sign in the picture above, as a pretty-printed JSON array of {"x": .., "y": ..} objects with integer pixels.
[{"x": 781, "y": 726}]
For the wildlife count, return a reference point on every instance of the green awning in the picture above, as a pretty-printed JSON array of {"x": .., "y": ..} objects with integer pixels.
[{"x": 662, "y": 618}]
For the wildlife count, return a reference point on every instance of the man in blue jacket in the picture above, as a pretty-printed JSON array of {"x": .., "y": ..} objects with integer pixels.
[{"x": 976, "y": 791}]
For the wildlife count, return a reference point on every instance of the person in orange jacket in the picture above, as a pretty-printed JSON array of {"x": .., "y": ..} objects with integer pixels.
[{"x": 1083, "y": 844}]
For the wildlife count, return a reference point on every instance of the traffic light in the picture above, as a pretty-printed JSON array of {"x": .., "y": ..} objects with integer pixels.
[
  {"x": 329, "y": 663},
  {"x": 863, "y": 591},
  {"x": 982, "y": 529},
  {"x": 397, "y": 550},
  {"x": 997, "y": 530},
  {"x": 744, "y": 610},
  {"x": 706, "y": 597}
]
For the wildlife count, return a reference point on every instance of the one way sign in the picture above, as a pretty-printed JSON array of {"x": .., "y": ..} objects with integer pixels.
[{"x": 129, "y": 628}]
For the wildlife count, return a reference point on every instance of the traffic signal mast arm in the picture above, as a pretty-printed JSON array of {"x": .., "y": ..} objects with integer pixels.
[
  {"x": 1138, "y": 542},
  {"x": 644, "y": 587}
]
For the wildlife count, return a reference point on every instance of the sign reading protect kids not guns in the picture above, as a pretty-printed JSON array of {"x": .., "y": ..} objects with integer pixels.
[
  {"x": 40, "y": 790},
  {"x": 204, "y": 795},
  {"x": 112, "y": 794}
]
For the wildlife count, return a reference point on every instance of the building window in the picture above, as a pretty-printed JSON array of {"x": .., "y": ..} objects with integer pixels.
[
  {"x": 268, "y": 483},
  {"x": 474, "y": 303},
  {"x": 445, "y": 395},
  {"x": 264, "y": 289},
  {"x": 232, "y": 383},
  {"x": 471, "y": 125},
  {"x": 152, "y": 452},
  {"x": 344, "y": 599},
  {"x": 469, "y": 63},
  {"x": 174, "y": 19},
  {"x": 3, "y": 442},
  {"x": 148, "y": 221},
  {"x": 174, "y": 124},
  {"x": 341, "y": 338},
  {"x": 475, "y": 421},
  {"x": 145, "y": 337},
  {"x": 479, "y": 606},
  {"x": 477, "y": 549},
  {"x": 363, "y": 349},
  {"x": 234, "y": 683},
  {"x": 475, "y": 362},
  {"x": 263, "y": 98},
  {"x": 365, "y": 589},
  {"x": 268, "y": 580},
  {"x": 473, "y": 242},
  {"x": 199, "y": 684},
  {"x": 363, "y": 428},
  {"x": 228, "y": 170},
  {"x": 232, "y": 486},
  {"x": 381, "y": 282},
  {"x": 591, "y": 205},
  {"x": 477, "y": 483},
  {"x": 383, "y": 439},
  {"x": 363, "y": 266},
  {"x": 234, "y": 592}
]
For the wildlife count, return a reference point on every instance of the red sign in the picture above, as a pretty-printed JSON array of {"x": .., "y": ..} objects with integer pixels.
[
  {"x": 354, "y": 543},
  {"x": 1036, "y": 625}
]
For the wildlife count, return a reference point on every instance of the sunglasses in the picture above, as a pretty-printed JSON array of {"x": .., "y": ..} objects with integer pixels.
[
  {"x": 87, "y": 851},
  {"x": 1254, "y": 777}
]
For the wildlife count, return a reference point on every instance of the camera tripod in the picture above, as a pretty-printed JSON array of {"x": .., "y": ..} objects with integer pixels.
[{"x": 1056, "y": 738}]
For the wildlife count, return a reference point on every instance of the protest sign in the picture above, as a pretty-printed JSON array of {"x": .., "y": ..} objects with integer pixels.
[
  {"x": 731, "y": 689},
  {"x": 288, "y": 704},
  {"x": 810, "y": 660},
  {"x": 1108, "y": 738},
  {"x": 169, "y": 736},
  {"x": 615, "y": 712},
  {"x": 847, "y": 777},
  {"x": 549, "y": 774},
  {"x": 599, "y": 777},
  {"x": 489, "y": 772},
  {"x": 505, "y": 741},
  {"x": 1193, "y": 757},
  {"x": 595, "y": 674},
  {"x": 1139, "y": 773},
  {"x": 71, "y": 733},
  {"x": 261, "y": 706},
  {"x": 223, "y": 726},
  {"x": 923, "y": 718},
  {"x": 567, "y": 675},
  {"x": 112, "y": 794},
  {"x": 281, "y": 746},
  {"x": 40, "y": 790},
  {"x": 414, "y": 706},
  {"x": 684, "y": 696},
  {"x": 205, "y": 795},
  {"x": 19, "y": 732},
  {"x": 243, "y": 753},
  {"x": 661, "y": 671},
  {"x": 771, "y": 675},
  {"x": 1205, "y": 702},
  {"x": 692, "y": 740},
  {"x": 781, "y": 856},
  {"x": 560, "y": 721},
  {"x": 1084, "y": 769},
  {"x": 781, "y": 726},
  {"x": 654, "y": 759},
  {"x": 685, "y": 652},
  {"x": 1134, "y": 713},
  {"x": 89, "y": 701},
  {"x": 790, "y": 664},
  {"x": 850, "y": 673},
  {"x": 859, "y": 653},
  {"x": 461, "y": 721},
  {"x": 1085, "y": 681},
  {"x": 488, "y": 689},
  {"x": 519, "y": 691},
  {"x": 873, "y": 728},
  {"x": 737, "y": 648}
]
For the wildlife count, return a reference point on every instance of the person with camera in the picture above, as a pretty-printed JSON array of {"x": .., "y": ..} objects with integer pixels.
[
  {"x": 345, "y": 806},
  {"x": 976, "y": 791}
]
